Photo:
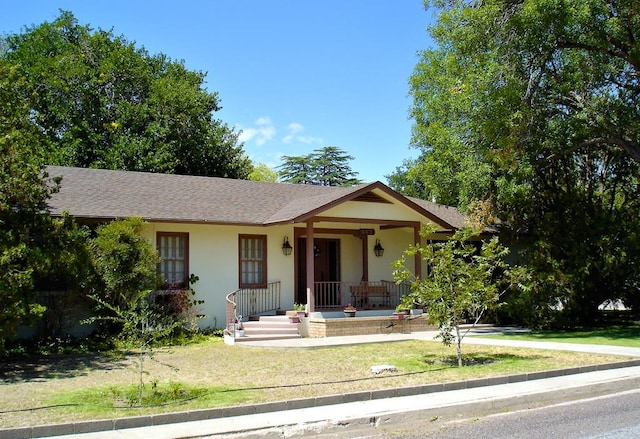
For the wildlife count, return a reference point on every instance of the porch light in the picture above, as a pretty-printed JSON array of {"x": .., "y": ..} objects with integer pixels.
[
  {"x": 286, "y": 247},
  {"x": 377, "y": 249}
]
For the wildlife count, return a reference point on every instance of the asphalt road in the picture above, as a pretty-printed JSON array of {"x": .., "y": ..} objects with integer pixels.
[{"x": 614, "y": 416}]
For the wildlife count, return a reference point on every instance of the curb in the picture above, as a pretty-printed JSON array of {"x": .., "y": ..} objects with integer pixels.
[
  {"x": 206, "y": 414},
  {"x": 362, "y": 426}
]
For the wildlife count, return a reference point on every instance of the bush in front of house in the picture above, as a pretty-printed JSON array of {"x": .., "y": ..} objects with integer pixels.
[{"x": 124, "y": 285}]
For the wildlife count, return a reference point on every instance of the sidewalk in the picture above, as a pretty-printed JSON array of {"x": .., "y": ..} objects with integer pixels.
[{"x": 384, "y": 407}]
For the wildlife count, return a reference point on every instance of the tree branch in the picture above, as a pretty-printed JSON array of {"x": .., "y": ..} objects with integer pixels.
[
  {"x": 630, "y": 147},
  {"x": 604, "y": 50}
]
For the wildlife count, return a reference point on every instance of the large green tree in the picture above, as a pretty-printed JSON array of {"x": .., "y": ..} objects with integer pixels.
[
  {"x": 102, "y": 102},
  {"x": 533, "y": 106},
  {"x": 328, "y": 166},
  {"x": 36, "y": 250}
]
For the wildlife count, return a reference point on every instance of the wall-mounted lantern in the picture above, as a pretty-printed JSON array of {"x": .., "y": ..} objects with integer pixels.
[
  {"x": 286, "y": 247},
  {"x": 377, "y": 249}
]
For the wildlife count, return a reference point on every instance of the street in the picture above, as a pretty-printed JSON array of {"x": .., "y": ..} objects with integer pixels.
[
  {"x": 615, "y": 416},
  {"x": 607, "y": 417}
]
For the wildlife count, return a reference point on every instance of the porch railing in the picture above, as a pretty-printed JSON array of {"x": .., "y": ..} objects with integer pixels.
[
  {"x": 247, "y": 302},
  {"x": 380, "y": 294}
]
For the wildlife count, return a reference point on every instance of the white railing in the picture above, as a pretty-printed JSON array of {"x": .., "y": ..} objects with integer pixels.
[{"x": 364, "y": 295}]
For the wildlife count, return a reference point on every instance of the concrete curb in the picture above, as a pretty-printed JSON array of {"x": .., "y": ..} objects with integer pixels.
[
  {"x": 360, "y": 426},
  {"x": 205, "y": 414}
]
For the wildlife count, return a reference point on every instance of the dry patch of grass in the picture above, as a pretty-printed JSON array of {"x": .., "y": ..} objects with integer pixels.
[{"x": 86, "y": 387}]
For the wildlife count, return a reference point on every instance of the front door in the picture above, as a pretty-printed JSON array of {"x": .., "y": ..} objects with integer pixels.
[{"x": 326, "y": 265}]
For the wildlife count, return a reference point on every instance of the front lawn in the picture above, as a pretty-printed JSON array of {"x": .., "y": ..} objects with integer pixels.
[{"x": 56, "y": 389}]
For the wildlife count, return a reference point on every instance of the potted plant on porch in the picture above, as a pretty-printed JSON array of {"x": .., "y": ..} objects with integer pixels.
[
  {"x": 350, "y": 311},
  {"x": 400, "y": 312},
  {"x": 300, "y": 309},
  {"x": 239, "y": 327}
]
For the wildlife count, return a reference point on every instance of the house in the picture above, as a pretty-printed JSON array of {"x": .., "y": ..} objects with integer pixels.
[{"x": 264, "y": 245}]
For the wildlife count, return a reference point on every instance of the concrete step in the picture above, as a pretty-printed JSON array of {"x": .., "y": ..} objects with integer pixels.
[{"x": 269, "y": 328}]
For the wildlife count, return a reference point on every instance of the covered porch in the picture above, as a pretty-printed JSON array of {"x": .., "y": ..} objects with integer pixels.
[
  {"x": 364, "y": 295},
  {"x": 349, "y": 262}
]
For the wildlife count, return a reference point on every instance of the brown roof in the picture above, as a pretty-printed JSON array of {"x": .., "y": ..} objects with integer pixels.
[
  {"x": 449, "y": 214},
  {"x": 106, "y": 194}
]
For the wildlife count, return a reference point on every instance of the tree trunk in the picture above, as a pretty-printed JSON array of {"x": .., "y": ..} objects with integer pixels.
[{"x": 458, "y": 347}]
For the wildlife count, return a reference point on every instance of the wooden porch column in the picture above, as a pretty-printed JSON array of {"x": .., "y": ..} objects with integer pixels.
[
  {"x": 365, "y": 258},
  {"x": 417, "y": 259},
  {"x": 311, "y": 302}
]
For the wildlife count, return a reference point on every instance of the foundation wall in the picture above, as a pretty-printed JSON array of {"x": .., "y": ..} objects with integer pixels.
[{"x": 321, "y": 327}]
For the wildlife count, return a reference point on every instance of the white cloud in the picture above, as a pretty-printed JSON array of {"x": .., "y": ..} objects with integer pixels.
[
  {"x": 263, "y": 131},
  {"x": 247, "y": 134},
  {"x": 295, "y": 128},
  {"x": 264, "y": 120},
  {"x": 294, "y": 135}
]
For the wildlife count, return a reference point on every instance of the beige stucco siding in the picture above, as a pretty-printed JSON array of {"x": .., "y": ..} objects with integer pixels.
[
  {"x": 213, "y": 257},
  {"x": 394, "y": 242},
  {"x": 377, "y": 211}
]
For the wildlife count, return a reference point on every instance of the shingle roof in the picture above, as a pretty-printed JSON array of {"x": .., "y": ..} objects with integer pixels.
[
  {"x": 99, "y": 193},
  {"x": 449, "y": 214}
]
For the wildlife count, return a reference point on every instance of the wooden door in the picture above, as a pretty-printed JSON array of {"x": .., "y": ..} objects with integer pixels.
[{"x": 326, "y": 264}]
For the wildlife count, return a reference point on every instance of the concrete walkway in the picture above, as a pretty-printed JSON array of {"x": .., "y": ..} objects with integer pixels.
[
  {"x": 473, "y": 337},
  {"x": 396, "y": 406}
]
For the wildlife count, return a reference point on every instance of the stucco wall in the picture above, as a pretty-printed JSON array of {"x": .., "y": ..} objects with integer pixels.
[{"x": 213, "y": 257}]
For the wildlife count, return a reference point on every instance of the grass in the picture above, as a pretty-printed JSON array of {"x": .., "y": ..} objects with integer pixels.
[
  {"x": 211, "y": 374},
  {"x": 628, "y": 336}
]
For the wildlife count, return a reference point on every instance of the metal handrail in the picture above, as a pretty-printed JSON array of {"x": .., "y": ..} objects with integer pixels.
[
  {"x": 230, "y": 328},
  {"x": 251, "y": 301}
]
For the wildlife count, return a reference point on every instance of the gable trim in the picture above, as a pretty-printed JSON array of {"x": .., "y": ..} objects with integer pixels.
[{"x": 312, "y": 214}]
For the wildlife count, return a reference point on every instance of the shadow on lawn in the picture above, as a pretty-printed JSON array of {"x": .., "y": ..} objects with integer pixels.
[
  {"x": 42, "y": 368},
  {"x": 474, "y": 359}
]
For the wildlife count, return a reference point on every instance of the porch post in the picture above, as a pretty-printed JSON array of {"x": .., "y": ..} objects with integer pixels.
[
  {"x": 365, "y": 257},
  {"x": 417, "y": 259},
  {"x": 311, "y": 302}
]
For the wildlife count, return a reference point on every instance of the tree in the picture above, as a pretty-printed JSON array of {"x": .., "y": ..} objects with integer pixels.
[
  {"x": 262, "y": 172},
  {"x": 327, "y": 166},
  {"x": 461, "y": 284},
  {"x": 36, "y": 251},
  {"x": 529, "y": 105},
  {"x": 125, "y": 267},
  {"x": 296, "y": 169},
  {"x": 101, "y": 102}
]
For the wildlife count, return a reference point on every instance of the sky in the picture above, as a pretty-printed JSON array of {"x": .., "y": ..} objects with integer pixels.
[{"x": 293, "y": 76}]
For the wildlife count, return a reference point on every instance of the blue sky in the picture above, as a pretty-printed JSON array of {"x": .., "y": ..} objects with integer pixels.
[{"x": 294, "y": 76}]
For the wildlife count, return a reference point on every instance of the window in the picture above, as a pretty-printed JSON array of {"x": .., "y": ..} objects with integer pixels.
[
  {"x": 173, "y": 249},
  {"x": 253, "y": 261}
]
